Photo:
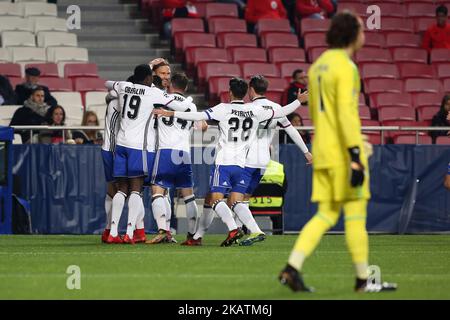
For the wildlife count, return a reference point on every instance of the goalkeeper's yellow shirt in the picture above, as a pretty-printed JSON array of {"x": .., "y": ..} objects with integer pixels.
[{"x": 334, "y": 87}]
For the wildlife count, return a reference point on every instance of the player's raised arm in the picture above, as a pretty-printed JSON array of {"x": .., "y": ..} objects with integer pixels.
[
  {"x": 297, "y": 138},
  {"x": 192, "y": 116},
  {"x": 110, "y": 85}
]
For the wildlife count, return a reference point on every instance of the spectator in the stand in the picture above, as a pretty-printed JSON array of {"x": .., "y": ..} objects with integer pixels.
[
  {"x": 176, "y": 9},
  {"x": 55, "y": 117},
  {"x": 263, "y": 9},
  {"x": 438, "y": 35},
  {"x": 297, "y": 121},
  {"x": 300, "y": 82},
  {"x": 441, "y": 119},
  {"x": 32, "y": 113},
  {"x": 88, "y": 136},
  {"x": 23, "y": 91},
  {"x": 7, "y": 95},
  {"x": 314, "y": 9}
]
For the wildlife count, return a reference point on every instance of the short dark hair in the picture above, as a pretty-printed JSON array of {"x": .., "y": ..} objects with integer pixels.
[
  {"x": 296, "y": 71},
  {"x": 442, "y": 9},
  {"x": 179, "y": 80},
  {"x": 344, "y": 30},
  {"x": 38, "y": 88},
  {"x": 141, "y": 72},
  {"x": 259, "y": 83},
  {"x": 238, "y": 87}
]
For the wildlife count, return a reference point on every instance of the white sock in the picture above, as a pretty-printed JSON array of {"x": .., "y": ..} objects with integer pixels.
[
  {"x": 108, "y": 210},
  {"x": 245, "y": 215},
  {"x": 204, "y": 222},
  {"x": 238, "y": 221},
  {"x": 159, "y": 211},
  {"x": 134, "y": 209},
  {"x": 224, "y": 212},
  {"x": 191, "y": 213},
  {"x": 168, "y": 211},
  {"x": 141, "y": 216},
  {"x": 117, "y": 207}
]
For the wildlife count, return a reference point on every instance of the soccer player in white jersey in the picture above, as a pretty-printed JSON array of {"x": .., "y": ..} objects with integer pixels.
[
  {"x": 238, "y": 123},
  {"x": 112, "y": 119},
  {"x": 132, "y": 161},
  {"x": 259, "y": 154},
  {"x": 172, "y": 168}
]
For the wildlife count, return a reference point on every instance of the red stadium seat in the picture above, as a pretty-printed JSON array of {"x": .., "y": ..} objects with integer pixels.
[
  {"x": 383, "y": 86},
  {"x": 314, "y": 40},
  {"x": 440, "y": 55},
  {"x": 364, "y": 112},
  {"x": 195, "y": 56},
  {"x": 396, "y": 113},
  {"x": 192, "y": 39},
  {"x": 391, "y": 10},
  {"x": 422, "y": 24},
  {"x": 239, "y": 55},
  {"x": 391, "y": 24},
  {"x": 313, "y": 25},
  {"x": 15, "y": 81},
  {"x": 273, "y": 25},
  {"x": 426, "y": 113},
  {"x": 221, "y": 10},
  {"x": 422, "y": 85},
  {"x": 230, "y": 40},
  {"x": 315, "y": 53},
  {"x": 47, "y": 69},
  {"x": 421, "y": 10},
  {"x": 379, "y": 70},
  {"x": 416, "y": 70},
  {"x": 446, "y": 85},
  {"x": 362, "y": 99},
  {"x": 374, "y": 137},
  {"x": 402, "y": 40},
  {"x": 277, "y": 85},
  {"x": 444, "y": 71},
  {"x": 187, "y": 25},
  {"x": 421, "y": 1},
  {"x": 277, "y": 39},
  {"x": 206, "y": 71},
  {"x": 303, "y": 112},
  {"x": 201, "y": 8},
  {"x": 217, "y": 86},
  {"x": 274, "y": 96},
  {"x": 219, "y": 25},
  {"x": 373, "y": 55},
  {"x": 412, "y": 139},
  {"x": 58, "y": 84},
  {"x": 225, "y": 98},
  {"x": 443, "y": 140},
  {"x": 250, "y": 69},
  {"x": 358, "y": 8},
  {"x": 279, "y": 55},
  {"x": 74, "y": 70},
  {"x": 89, "y": 84},
  {"x": 374, "y": 39},
  {"x": 427, "y": 100},
  {"x": 383, "y": 100},
  {"x": 410, "y": 55},
  {"x": 286, "y": 69},
  {"x": 10, "y": 70}
]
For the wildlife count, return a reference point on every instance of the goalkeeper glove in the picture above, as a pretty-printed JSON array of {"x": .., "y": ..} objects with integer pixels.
[{"x": 357, "y": 169}]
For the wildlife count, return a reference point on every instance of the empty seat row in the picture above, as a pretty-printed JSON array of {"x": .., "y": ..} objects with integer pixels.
[
  {"x": 405, "y": 70},
  {"x": 409, "y": 85},
  {"x": 44, "y": 39},
  {"x": 32, "y": 24},
  {"x": 71, "y": 70},
  {"x": 411, "y": 10},
  {"x": 28, "y": 9}
]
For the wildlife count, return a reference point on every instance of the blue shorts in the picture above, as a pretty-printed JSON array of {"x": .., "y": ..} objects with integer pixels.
[
  {"x": 150, "y": 163},
  {"x": 130, "y": 163},
  {"x": 256, "y": 175},
  {"x": 225, "y": 179},
  {"x": 108, "y": 164},
  {"x": 172, "y": 169}
]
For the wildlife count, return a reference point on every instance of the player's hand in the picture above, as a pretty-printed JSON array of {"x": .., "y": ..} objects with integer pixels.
[
  {"x": 302, "y": 97},
  {"x": 309, "y": 158},
  {"x": 163, "y": 113},
  {"x": 357, "y": 169}
]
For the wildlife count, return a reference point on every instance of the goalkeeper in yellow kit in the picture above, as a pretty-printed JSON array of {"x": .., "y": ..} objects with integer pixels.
[{"x": 341, "y": 175}]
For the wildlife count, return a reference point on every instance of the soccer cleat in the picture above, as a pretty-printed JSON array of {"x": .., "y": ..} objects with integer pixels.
[
  {"x": 139, "y": 236},
  {"x": 233, "y": 237},
  {"x": 105, "y": 235},
  {"x": 254, "y": 237},
  {"x": 189, "y": 236},
  {"x": 192, "y": 242},
  {"x": 293, "y": 279},
  {"x": 161, "y": 237},
  {"x": 366, "y": 286},
  {"x": 114, "y": 240},
  {"x": 126, "y": 239},
  {"x": 170, "y": 238}
]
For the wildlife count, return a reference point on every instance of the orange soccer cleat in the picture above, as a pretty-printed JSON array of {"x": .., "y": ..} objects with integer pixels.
[
  {"x": 105, "y": 235},
  {"x": 139, "y": 236}
]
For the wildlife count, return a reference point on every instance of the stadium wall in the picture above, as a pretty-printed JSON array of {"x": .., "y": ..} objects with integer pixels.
[{"x": 66, "y": 187}]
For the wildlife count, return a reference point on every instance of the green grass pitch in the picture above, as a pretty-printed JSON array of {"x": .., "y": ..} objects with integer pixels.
[{"x": 34, "y": 267}]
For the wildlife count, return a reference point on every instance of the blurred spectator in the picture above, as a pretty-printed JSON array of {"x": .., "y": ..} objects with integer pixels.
[
  {"x": 23, "y": 91},
  {"x": 55, "y": 117},
  {"x": 176, "y": 9},
  {"x": 441, "y": 119},
  {"x": 300, "y": 82},
  {"x": 7, "y": 95},
  {"x": 32, "y": 113},
  {"x": 263, "y": 9},
  {"x": 297, "y": 121},
  {"x": 88, "y": 136},
  {"x": 438, "y": 35},
  {"x": 242, "y": 4},
  {"x": 315, "y": 9},
  {"x": 289, "y": 5}
]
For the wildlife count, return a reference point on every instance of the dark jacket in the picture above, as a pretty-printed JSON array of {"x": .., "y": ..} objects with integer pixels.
[
  {"x": 23, "y": 93},
  {"x": 290, "y": 94},
  {"x": 24, "y": 116},
  {"x": 439, "y": 120},
  {"x": 7, "y": 92}
]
